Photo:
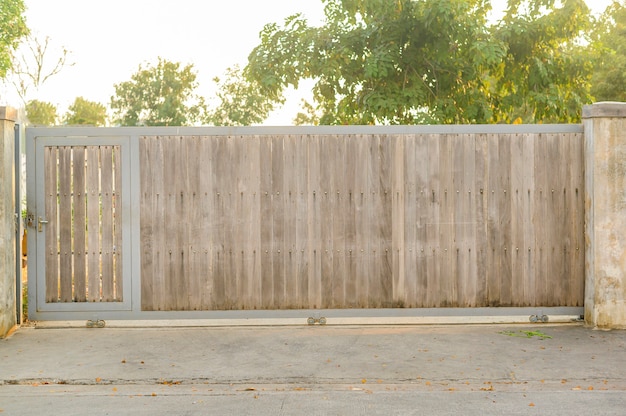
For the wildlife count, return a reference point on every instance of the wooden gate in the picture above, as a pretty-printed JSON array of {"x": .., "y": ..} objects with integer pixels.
[
  {"x": 199, "y": 220},
  {"x": 78, "y": 225}
]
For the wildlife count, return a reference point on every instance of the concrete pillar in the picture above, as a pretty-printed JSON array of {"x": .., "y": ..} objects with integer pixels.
[
  {"x": 8, "y": 318},
  {"x": 605, "y": 215}
]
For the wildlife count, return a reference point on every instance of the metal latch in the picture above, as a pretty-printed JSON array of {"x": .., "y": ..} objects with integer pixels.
[{"x": 40, "y": 223}]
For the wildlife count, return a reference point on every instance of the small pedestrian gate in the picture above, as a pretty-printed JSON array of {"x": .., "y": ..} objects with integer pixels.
[{"x": 160, "y": 223}]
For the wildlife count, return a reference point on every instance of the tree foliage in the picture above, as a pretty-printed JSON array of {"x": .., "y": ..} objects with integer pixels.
[
  {"x": 431, "y": 61},
  {"x": 159, "y": 95},
  {"x": 12, "y": 29},
  {"x": 241, "y": 102},
  {"x": 41, "y": 113},
  {"x": 85, "y": 112},
  {"x": 609, "y": 78}
]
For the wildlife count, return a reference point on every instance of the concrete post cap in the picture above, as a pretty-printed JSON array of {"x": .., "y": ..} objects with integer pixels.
[
  {"x": 8, "y": 113},
  {"x": 605, "y": 109}
]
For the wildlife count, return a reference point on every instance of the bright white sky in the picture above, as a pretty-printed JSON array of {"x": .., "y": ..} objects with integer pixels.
[{"x": 110, "y": 38}]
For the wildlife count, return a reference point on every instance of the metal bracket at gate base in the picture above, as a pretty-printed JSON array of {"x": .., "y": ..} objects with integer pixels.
[
  {"x": 313, "y": 321},
  {"x": 98, "y": 323}
]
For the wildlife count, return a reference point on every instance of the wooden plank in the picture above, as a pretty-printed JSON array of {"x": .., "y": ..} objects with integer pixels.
[
  {"x": 410, "y": 178},
  {"x": 578, "y": 226},
  {"x": 79, "y": 246},
  {"x": 375, "y": 295},
  {"x": 447, "y": 285},
  {"x": 117, "y": 225},
  {"x": 557, "y": 278},
  {"x": 350, "y": 193},
  {"x": 529, "y": 230},
  {"x": 290, "y": 193},
  {"x": 361, "y": 220},
  {"x": 196, "y": 227},
  {"x": 517, "y": 255},
  {"x": 51, "y": 229},
  {"x": 65, "y": 224},
  {"x": 398, "y": 178},
  {"x": 253, "y": 296},
  {"x": 540, "y": 213},
  {"x": 93, "y": 224},
  {"x": 314, "y": 221},
  {"x": 220, "y": 165},
  {"x": 458, "y": 230},
  {"x": 503, "y": 193},
  {"x": 494, "y": 248},
  {"x": 278, "y": 220},
  {"x": 482, "y": 219},
  {"x": 386, "y": 226},
  {"x": 106, "y": 219},
  {"x": 147, "y": 218},
  {"x": 337, "y": 196},
  {"x": 327, "y": 213},
  {"x": 208, "y": 219},
  {"x": 433, "y": 249},
  {"x": 267, "y": 223},
  {"x": 302, "y": 244},
  {"x": 420, "y": 213}
]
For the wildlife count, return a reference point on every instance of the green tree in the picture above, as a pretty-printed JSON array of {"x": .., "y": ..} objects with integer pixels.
[
  {"x": 545, "y": 75},
  {"x": 85, "y": 112},
  {"x": 12, "y": 29},
  {"x": 241, "y": 102},
  {"x": 609, "y": 77},
  {"x": 160, "y": 95},
  {"x": 430, "y": 61},
  {"x": 41, "y": 113}
]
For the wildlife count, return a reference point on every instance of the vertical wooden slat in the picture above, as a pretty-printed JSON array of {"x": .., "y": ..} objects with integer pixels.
[
  {"x": 518, "y": 149},
  {"x": 303, "y": 217},
  {"x": 93, "y": 224},
  {"x": 117, "y": 225},
  {"x": 267, "y": 223},
  {"x": 338, "y": 206},
  {"x": 578, "y": 184},
  {"x": 79, "y": 246},
  {"x": 386, "y": 229},
  {"x": 433, "y": 248},
  {"x": 494, "y": 247},
  {"x": 205, "y": 228},
  {"x": 290, "y": 193},
  {"x": 254, "y": 245},
  {"x": 528, "y": 195},
  {"x": 350, "y": 196},
  {"x": 421, "y": 207},
  {"x": 540, "y": 215},
  {"x": 375, "y": 219},
  {"x": 315, "y": 220},
  {"x": 447, "y": 283},
  {"x": 410, "y": 179},
  {"x": 362, "y": 223},
  {"x": 503, "y": 194},
  {"x": 399, "y": 292},
  {"x": 106, "y": 218},
  {"x": 278, "y": 220},
  {"x": 326, "y": 213},
  {"x": 65, "y": 224},
  {"x": 51, "y": 229},
  {"x": 147, "y": 229}
]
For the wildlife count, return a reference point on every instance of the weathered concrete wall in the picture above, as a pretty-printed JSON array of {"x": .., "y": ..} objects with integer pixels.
[
  {"x": 605, "y": 214},
  {"x": 8, "y": 317}
]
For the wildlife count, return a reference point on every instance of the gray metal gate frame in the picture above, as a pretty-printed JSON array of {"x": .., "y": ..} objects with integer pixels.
[{"x": 130, "y": 309}]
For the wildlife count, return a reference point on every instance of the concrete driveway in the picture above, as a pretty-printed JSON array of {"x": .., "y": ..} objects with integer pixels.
[{"x": 457, "y": 369}]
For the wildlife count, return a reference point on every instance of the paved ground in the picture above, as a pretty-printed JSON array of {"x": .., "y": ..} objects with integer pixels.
[{"x": 492, "y": 369}]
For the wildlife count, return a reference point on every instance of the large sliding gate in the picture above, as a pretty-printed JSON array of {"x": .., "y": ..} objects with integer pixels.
[{"x": 149, "y": 223}]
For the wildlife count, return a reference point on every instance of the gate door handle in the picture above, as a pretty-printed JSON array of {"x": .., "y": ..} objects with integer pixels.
[{"x": 40, "y": 223}]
